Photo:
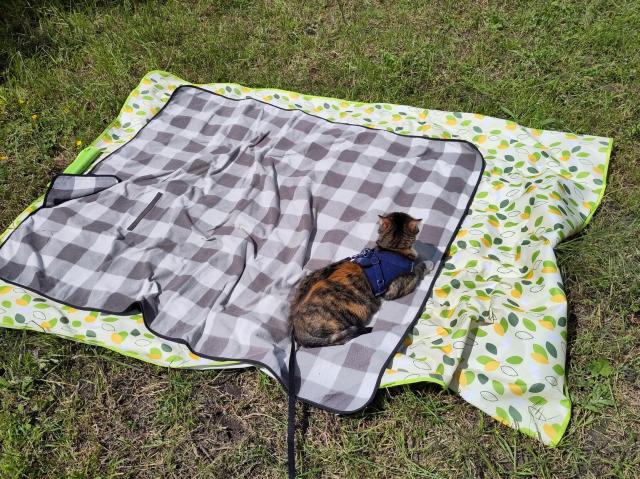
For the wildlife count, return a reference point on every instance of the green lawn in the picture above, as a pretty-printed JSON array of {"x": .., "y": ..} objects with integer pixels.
[{"x": 71, "y": 410}]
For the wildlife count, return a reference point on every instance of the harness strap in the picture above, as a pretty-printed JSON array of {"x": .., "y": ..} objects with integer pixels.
[
  {"x": 382, "y": 267},
  {"x": 291, "y": 419}
]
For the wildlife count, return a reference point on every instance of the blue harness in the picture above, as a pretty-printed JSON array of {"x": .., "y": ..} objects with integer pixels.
[{"x": 382, "y": 267}]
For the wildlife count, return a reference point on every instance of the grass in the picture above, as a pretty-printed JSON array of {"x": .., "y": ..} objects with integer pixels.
[{"x": 71, "y": 410}]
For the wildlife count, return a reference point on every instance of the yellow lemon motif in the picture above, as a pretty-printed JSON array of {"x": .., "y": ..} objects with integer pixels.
[
  {"x": 511, "y": 125},
  {"x": 498, "y": 329},
  {"x": 441, "y": 331},
  {"x": 549, "y": 269},
  {"x": 491, "y": 366},
  {"x": 441, "y": 293},
  {"x": 21, "y": 302},
  {"x": 390, "y": 371},
  {"x": 451, "y": 121},
  {"x": 515, "y": 293},
  {"x": 154, "y": 356},
  {"x": 46, "y": 325},
  {"x": 5, "y": 289},
  {"x": 515, "y": 389},
  {"x": 462, "y": 233},
  {"x": 546, "y": 324},
  {"x": 422, "y": 115},
  {"x": 558, "y": 298},
  {"x": 446, "y": 349},
  {"x": 502, "y": 420},
  {"x": 116, "y": 338},
  {"x": 550, "y": 431},
  {"x": 128, "y": 109},
  {"x": 539, "y": 358},
  {"x": 195, "y": 357},
  {"x": 89, "y": 318}
]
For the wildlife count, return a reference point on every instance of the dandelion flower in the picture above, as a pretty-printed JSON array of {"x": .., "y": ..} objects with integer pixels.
[
  {"x": 34, "y": 117},
  {"x": 78, "y": 142}
]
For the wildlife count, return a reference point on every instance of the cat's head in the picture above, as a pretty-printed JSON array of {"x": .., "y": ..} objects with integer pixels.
[{"x": 397, "y": 231}]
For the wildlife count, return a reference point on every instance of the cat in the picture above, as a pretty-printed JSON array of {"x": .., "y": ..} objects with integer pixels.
[{"x": 333, "y": 305}]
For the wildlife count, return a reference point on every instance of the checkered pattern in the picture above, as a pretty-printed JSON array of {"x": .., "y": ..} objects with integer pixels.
[
  {"x": 68, "y": 187},
  {"x": 221, "y": 206}
]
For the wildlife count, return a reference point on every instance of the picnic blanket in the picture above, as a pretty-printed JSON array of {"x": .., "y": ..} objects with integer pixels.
[
  {"x": 495, "y": 329},
  {"x": 209, "y": 216}
]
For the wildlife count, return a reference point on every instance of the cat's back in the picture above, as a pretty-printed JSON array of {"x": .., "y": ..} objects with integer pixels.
[{"x": 345, "y": 277}]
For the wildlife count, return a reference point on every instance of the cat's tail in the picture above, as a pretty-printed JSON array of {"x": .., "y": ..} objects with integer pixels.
[{"x": 335, "y": 339}]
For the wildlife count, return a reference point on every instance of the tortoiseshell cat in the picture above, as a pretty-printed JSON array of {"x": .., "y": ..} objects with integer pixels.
[{"x": 334, "y": 304}]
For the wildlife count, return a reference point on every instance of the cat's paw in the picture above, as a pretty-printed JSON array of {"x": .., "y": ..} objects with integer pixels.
[{"x": 424, "y": 268}]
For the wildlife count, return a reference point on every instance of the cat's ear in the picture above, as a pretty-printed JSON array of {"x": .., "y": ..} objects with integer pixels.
[
  {"x": 414, "y": 224},
  {"x": 384, "y": 221}
]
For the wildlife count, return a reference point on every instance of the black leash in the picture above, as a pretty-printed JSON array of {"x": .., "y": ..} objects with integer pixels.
[{"x": 291, "y": 421}]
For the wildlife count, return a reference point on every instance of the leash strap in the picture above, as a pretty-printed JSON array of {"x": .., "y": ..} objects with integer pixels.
[{"x": 291, "y": 421}]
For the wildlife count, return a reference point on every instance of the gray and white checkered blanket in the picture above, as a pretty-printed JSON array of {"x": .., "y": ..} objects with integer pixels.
[{"x": 208, "y": 217}]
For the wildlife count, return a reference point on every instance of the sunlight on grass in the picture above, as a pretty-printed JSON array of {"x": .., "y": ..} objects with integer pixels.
[{"x": 66, "y": 411}]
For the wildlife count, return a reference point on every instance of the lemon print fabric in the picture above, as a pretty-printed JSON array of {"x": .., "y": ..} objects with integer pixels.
[{"x": 495, "y": 327}]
